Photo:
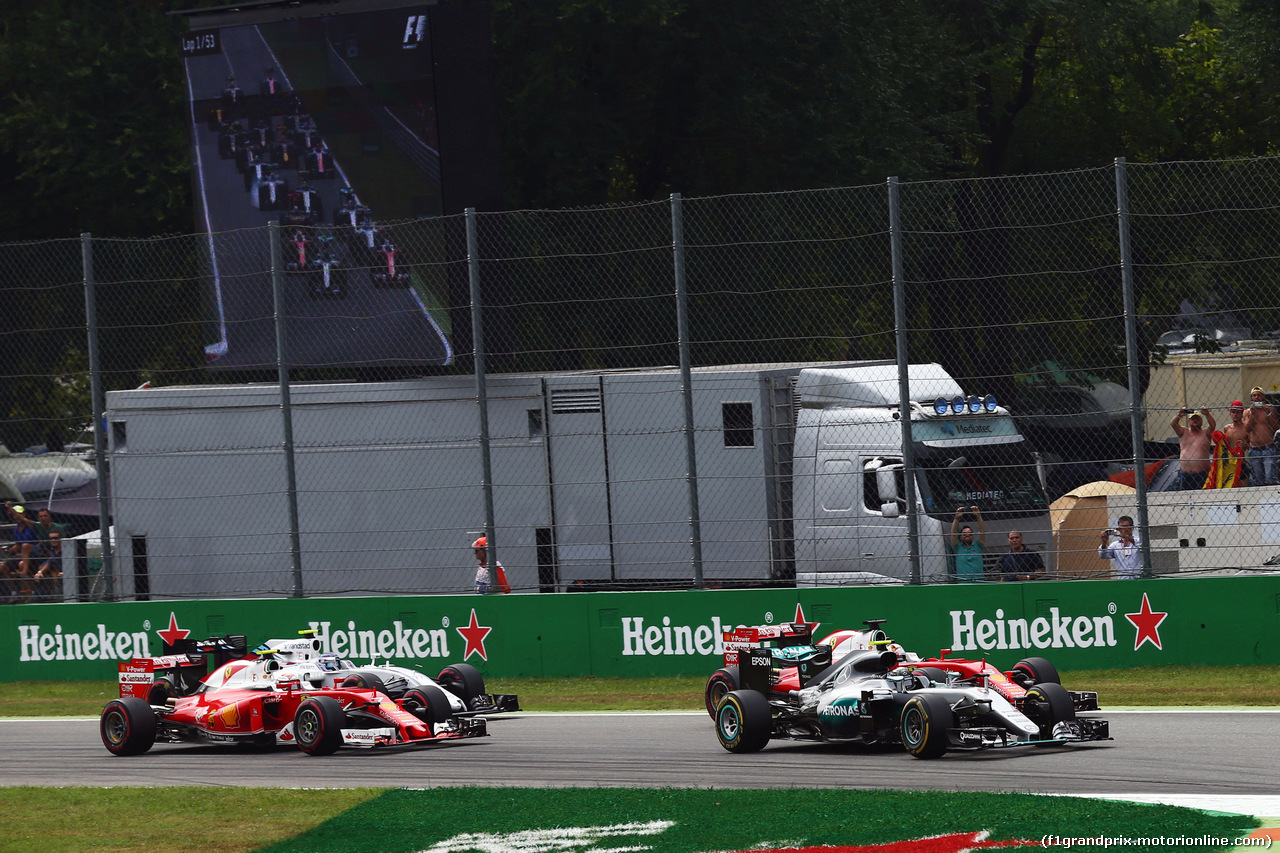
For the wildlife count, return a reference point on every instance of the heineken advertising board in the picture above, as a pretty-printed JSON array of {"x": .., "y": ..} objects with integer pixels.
[{"x": 1077, "y": 625}]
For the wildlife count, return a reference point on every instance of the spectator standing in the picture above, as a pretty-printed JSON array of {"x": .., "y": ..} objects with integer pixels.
[
  {"x": 45, "y": 525},
  {"x": 967, "y": 547},
  {"x": 49, "y": 574},
  {"x": 481, "y": 548},
  {"x": 1237, "y": 432},
  {"x": 1261, "y": 420},
  {"x": 1125, "y": 553},
  {"x": 22, "y": 553},
  {"x": 1195, "y": 447},
  {"x": 1020, "y": 564}
]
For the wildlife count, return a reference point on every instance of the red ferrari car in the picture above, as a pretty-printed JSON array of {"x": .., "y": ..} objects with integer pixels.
[{"x": 242, "y": 702}]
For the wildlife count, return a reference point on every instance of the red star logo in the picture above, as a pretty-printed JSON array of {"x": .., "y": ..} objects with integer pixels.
[
  {"x": 959, "y": 842},
  {"x": 1148, "y": 625},
  {"x": 813, "y": 626},
  {"x": 173, "y": 633},
  {"x": 474, "y": 634}
]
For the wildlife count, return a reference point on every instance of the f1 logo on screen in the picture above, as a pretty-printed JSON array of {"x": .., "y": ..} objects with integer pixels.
[{"x": 414, "y": 28}]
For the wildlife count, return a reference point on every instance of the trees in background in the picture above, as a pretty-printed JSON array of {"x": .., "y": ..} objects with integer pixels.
[{"x": 606, "y": 102}]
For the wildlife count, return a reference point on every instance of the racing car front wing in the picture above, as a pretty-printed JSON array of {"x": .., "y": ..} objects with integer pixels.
[{"x": 995, "y": 737}]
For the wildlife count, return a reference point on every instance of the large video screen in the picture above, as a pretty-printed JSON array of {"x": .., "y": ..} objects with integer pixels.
[{"x": 329, "y": 126}]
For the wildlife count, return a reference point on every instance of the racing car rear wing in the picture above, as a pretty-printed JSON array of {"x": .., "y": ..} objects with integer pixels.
[
  {"x": 184, "y": 664},
  {"x": 781, "y": 636}
]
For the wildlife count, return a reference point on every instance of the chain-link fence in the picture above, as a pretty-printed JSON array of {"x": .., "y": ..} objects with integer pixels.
[{"x": 700, "y": 392}]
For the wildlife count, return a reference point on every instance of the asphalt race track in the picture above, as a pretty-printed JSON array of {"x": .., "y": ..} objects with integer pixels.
[{"x": 1203, "y": 753}]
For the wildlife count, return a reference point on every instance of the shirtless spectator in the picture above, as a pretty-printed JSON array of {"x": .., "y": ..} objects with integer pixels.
[
  {"x": 1261, "y": 421},
  {"x": 1195, "y": 447},
  {"x": 1236, "y": 432}
]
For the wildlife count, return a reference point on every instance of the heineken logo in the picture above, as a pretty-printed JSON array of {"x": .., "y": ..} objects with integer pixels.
[{"x": 1055, "y": 630}]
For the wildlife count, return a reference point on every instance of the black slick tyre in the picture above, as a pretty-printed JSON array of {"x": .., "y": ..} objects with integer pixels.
[
  {"x": 317, "y": 725},
  {"x": 428, "y": 703},
  {"x": 162, "y": 691},
  {"x": 934, "y": 674},
  {"x": 365, "y": 681},
  {"x": 925, "y": 720},
  {"x": 128, "y": 726},
  {"x": 744, "y": 722},
  {"x": 1049, "y": 704},
  {"x": 721, "y": 683},
  {"x": 1031, "y": 671},
  {"x": 464, "y": 681}
]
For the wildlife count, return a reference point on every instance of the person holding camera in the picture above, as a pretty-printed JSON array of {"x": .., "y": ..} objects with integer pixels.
[
  {"x": 1261, "y": 422},
  {"x": 1195, "y": 447},
  {"x": 1125, "y": 553},
  {"x": 967, "y": 548}
]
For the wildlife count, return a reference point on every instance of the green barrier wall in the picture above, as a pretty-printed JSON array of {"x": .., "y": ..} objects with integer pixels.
[{"x": 1077, "y": 625}]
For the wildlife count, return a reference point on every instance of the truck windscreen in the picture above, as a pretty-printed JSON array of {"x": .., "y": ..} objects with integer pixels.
[{"x": 1000, "y": 480}]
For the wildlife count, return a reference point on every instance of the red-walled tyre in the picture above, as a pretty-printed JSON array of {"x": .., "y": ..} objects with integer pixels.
[
  {"x": 721, "y": 683},
  {"x": 128, "y": 726},
  {"x": 317, "y": 725}
]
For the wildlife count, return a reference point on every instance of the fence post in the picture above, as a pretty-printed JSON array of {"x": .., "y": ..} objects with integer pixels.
[
  {"x": 482, "y": 398},
  {"x": 686, "y": 386},
  {"x": 1136, "y": 412},
  {"x": 286, "y": 410},
  {"x": 98, "y": 403},
  {"x": 904, "y": 381}
]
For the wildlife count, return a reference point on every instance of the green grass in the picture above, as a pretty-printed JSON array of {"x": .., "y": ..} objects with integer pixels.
[
  {"x": 164, "y": 820},
  {"x": 1256, "y": 686},
  {"x": 231, "y": 820}
]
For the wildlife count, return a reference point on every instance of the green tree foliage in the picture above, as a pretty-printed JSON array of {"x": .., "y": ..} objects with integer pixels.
[
  {"x": 92, "y": 136},
  {"x": 606, "y": 103}
]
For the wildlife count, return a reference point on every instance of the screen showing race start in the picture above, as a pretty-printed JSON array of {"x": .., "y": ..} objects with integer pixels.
[{"x": 327, "y": 126}]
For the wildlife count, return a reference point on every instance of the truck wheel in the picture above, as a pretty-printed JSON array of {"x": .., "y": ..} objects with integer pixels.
[
  {"x": 428, "y": 703},
  {"x": 128, "y": 726},
  {"x": 1029, "y": 671},
  {"x": 925, "y": 719},
  {"x": 317, "y": 725},
  {"x": 744, "y": 722},
  {"x": 464, "y": 681},
  {"x": 1049, "y": 704},
  {"x": 721, "y": 683}
]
